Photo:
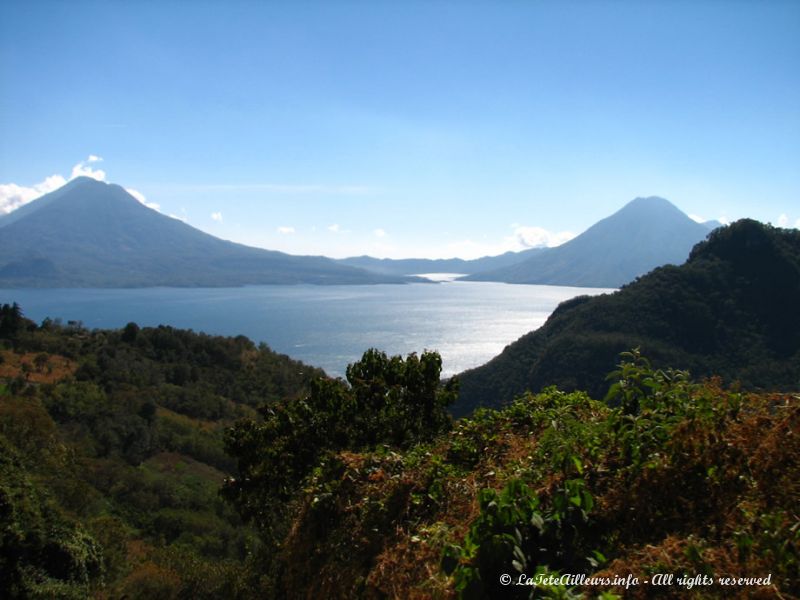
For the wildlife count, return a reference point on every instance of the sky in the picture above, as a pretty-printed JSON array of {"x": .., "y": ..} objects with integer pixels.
[{"x": 406, "y": 129}]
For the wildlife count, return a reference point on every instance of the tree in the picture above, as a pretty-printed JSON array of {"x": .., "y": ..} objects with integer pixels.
[
  {"x": 130, "y": 332},
  {"x": 41, "y": 360},
  {"x": 385, "y": 401},
  {"x": 11, "y": 319}
]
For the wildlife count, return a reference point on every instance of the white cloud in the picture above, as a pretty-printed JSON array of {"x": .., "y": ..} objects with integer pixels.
[
  {"x": 522, "y": 238},
  {"x": 176, "y": 217},
  {"x": 785, "y": 221},
  {"x": 12, "y": 196},
  {"x": 141, "y": 198},
  {"x": 379, "y": 232},
  {"x": 82, "y": 169},
  {"x": 137, "y": 194},
  {"x": 338, "y": 229},
  {"x": 217, "y": 216},
  {"x": 538, "y": 237},
  {"x": 699, "y": 219},
  {"x": 285, "y": 230}
]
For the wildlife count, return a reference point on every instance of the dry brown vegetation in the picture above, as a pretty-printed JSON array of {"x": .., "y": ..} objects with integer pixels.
[
  {"x": 35, "y": 367},
  {"x": 718, "y": 496}
]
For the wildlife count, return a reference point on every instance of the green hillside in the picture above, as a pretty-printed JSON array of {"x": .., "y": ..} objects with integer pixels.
[
  {"x": 730, "y": 310},
  {"x": 113, "y": 456},
  {"x": 161, "y": 463},
  {"x": 680, "y": 478}
]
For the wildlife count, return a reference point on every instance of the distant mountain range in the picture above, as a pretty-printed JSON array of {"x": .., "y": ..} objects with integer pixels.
[
  {"x": 731, "y": 310},
  {"x": 711, "y": 225},
  {"x": 646, "y": 233},
  {"x": 93, "y": 234},
  {"x": 414, "y": 266}
]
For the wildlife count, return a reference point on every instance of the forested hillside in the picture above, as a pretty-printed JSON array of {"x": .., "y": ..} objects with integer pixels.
[
  {"x": 730, "y": 310},
  {"x": 135, "y": 464},
  {"x": 113, "y": 456},
  {"x": 678, "y": 478}
]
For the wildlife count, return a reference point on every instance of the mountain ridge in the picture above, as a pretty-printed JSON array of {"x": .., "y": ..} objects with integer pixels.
[
  {"x": 729, "y": 310},
  {"x": 93, "y": 234},
  {"x": 647, "y": 232},
  {"x": 413, "y": 266}
]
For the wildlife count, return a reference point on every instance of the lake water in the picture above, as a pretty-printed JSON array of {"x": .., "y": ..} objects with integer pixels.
[{"x": 468, "y": 323}]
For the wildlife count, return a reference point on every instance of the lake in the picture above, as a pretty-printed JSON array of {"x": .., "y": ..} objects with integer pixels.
[{"x": 468, "y": 323}]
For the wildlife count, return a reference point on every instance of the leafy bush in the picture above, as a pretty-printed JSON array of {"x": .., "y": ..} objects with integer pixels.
[
  {"x": 41, "y": 549},
  {"x": 517, "y": 533},
  {"x": 392, "y": 401}
]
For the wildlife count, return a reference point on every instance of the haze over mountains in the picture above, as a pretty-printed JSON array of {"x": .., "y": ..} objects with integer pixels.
[
  {"x": 644, "y": 234},
  {"x": 413, "y": 266},
  {"x": 92, "y": 234}
]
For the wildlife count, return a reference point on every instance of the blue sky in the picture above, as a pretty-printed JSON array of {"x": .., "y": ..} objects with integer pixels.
[{"x": 401, "y": 128}]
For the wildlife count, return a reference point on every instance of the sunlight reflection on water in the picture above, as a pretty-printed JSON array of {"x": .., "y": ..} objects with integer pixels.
[{"x": 467, "y": 322}]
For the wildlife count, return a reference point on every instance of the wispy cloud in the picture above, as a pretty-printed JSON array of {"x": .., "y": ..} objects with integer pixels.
[
  {"x": 141, "y": 198},
  {"x": 217, "y": 216},
  {"x": 522, "y": 237},
  {"x": 379, "y": 233},
  {"x": 285, "y": 230},
  {"x": 82, "y": 169},
  {"x": 538, "y": 237},
  {"x": 698, "y": 219},
  {"x": 334, "y": 228},
  {"x": 12, "y": 196},
  {"x": 785, "y": 221},
  {"x": 279, "y": 188}
]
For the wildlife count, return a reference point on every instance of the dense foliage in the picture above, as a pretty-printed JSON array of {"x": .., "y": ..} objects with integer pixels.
[
  {"x": 677, "y": 478},
  {"x": 113, "y": 456},
  {"x": 386, "y": 402},
  {"x": 730, "y": 310},
  {"x": 115, "y": 446}
]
